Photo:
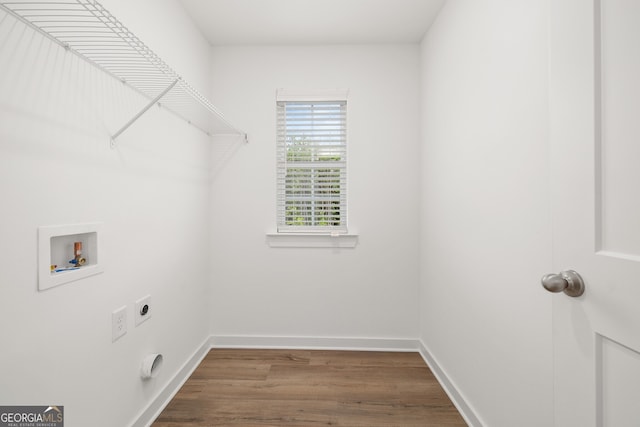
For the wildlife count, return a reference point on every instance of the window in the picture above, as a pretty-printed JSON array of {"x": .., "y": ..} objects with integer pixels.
[{"x": 312, "y": 162}]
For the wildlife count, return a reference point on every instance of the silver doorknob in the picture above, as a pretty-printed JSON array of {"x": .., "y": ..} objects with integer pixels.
[{"x": 567, "y": 281}]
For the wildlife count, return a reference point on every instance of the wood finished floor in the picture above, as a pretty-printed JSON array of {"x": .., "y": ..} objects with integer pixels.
[{"x": 310, "y": 388}]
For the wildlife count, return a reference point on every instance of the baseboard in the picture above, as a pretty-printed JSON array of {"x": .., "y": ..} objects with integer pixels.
[
  {"x": 315, "y": 343},
  {"x": 162, "y": 399},
  {"x": 449, "y": 387}
]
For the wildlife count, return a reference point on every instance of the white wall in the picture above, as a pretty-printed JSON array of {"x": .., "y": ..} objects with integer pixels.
[
  {"x": 485, "y": 219},
  {"x": 366, "y": 292},
  {"x": 152, "y": 195},
  {"x": 465, "y": 225}
]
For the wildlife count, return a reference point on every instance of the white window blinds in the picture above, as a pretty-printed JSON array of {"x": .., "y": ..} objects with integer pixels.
[{"x": 312, "y": 165}]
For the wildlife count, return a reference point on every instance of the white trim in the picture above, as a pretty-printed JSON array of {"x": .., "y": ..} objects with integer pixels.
[
  {"x": 466, "y": 411},
  {"x": 164, "y": 396},
  {"x": 619, "y": 255},
  {"x": 315, "y": 343},
  {"x": 311, "y": 95},
  {"x": 311, "y": 240}
]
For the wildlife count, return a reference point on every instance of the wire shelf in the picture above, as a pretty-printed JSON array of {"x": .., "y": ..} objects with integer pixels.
[{"x": 87, "y": 29}]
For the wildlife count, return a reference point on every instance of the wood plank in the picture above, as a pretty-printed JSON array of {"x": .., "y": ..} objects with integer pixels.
[
  {"x": 366, "y": 358},
  {"x": 286, "y": 357},
  {"x": 310, "y": 388}
]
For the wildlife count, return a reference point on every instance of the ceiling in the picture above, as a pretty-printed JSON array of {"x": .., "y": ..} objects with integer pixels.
[{"x": 278, "y": 22}]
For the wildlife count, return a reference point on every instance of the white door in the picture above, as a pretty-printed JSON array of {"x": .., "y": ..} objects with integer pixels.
[{"x": 595, "y": 146}]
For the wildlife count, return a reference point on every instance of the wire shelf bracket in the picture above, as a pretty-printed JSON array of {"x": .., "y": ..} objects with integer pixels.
[
  {"x": 87, "y": 29},
  {"x": 144, "y": 110}
]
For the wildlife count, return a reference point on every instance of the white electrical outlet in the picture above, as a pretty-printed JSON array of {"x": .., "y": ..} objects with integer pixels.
[
  {"x": 143, "y": 309},
  {"x": 118, "y": 323}
]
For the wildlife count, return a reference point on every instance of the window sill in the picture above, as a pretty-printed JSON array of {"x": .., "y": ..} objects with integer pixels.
[{"x": 311, "y": 240}]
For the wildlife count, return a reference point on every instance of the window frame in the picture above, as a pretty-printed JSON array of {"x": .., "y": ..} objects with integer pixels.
[{"x": 284, "y": 197}]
